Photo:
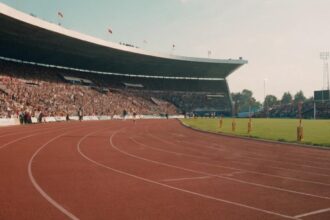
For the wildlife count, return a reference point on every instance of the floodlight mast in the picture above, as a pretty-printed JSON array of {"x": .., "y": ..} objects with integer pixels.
[{"x": 325, "y": 56}]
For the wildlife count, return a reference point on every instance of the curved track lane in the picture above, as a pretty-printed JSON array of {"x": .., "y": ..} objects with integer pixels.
[{"x": 156, "y": 169}]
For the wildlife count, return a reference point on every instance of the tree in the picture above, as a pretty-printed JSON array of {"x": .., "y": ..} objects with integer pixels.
[
  {"x": 255, "y": 105},
  {"x": 299, "y": 97},
  {"x": 236, "y": 96},
  {"x": 244, "y": 101},
  {"x": 286, "y": 98},
  {"x": 270, "y": 101},
  {"x": 246, "y": 95}
]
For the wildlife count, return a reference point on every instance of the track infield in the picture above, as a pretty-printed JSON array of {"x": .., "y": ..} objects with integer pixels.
[
  {"x": 156, "y": 169},
  {"x": 316, "y": 132}
]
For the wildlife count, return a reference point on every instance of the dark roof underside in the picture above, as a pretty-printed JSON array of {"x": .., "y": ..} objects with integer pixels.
[{"x": 23, "y": 41}]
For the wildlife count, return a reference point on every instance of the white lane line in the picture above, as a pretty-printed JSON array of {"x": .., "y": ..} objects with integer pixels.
[
  {"x": 35, "y": 133},
  {"x": 174, "y": 144},
  {"x": 172, "y": 187},
  {"x": 222, "y": 147},
  {"x": 243, "y": 157},
  {"x": 285, "y": 162},
  {"x": 16, "y": 140},
  {"x": 25, "y": 131},
  {"x": 313, "y": 213},
  {"x": 286, "y": 169},
  {"x": 226, "y": 167},
  {"x": 246, "y": 155},
  {"x": 260, "y": 155},
  {"x": 13, "y": 133},
  {"x": 222, "y": 177},
  {"x": 178, "y": 135},
  {"x": 233, "y": 173},
  {"x": 187, "y": 178},
  {"x": 38, "y": 187},
  {"x": 263, "y": 145},
  {"x": 167, "y": 151},
  {"x": 264, "y": 174}
]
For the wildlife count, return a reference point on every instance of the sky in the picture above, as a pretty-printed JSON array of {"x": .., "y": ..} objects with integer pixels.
[{"x": 281, "y": 39}]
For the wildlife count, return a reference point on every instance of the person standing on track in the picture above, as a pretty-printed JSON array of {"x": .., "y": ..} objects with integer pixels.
[
  {"x": 21, "y": 117},
  {"x": 80, "y": 114},
  {"x": 124, "y": 114},
  {"x": 134, "y": 116}
]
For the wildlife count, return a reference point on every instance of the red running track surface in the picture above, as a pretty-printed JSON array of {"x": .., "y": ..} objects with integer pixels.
[{"x": 156, "y": 169}]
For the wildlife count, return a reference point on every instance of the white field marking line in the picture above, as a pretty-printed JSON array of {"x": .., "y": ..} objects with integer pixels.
[
  {"x": 321, "y": 174},
  {"x": 263, "y": 146},
  {"x": 286, "y": 169},
  {"x": 233, "y": 173},
  {"x": 226, "y": 167},
  {"x": 26, "y": 131},
  {"x": 25, "y": 137},
  {"x": 175, "y": 188},
  {"x": 312, "y": 213},
  {"x": 167, "y": 151},
  {"x": 222, "y": 177},
  {"x": 227, "y": 149},
  {"x": 171, "y": 143},
  {"x": 187, "y": 178},
  {"x": 246, "y": 154},
  {"x": 38, "y": 187},
  {"x": 178, "y": 135},
  {"x": 301, "y": 155},
  {"x": 301, "y": 159},
  {"x": 248, "y": 171},
  {"x": 206, "y": 145},
  {"x": 289, "y": 163},
  {"x": 14, "y": 131},
  {"x": 264, "y": 174},
  {"x": 294, "y": 148}
]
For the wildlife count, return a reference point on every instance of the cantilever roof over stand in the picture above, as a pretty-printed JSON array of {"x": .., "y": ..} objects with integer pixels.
[{"x": 25, "y": 37}]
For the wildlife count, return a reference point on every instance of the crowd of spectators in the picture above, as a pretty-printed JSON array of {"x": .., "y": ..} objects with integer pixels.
[
  {"x": 35, "y": 89},
  {"x": 32, "y": 90},
  {"x": 189, "y": 101}
]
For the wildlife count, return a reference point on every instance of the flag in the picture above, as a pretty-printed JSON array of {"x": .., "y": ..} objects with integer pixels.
[
  {"x": 60, "y": 14},
  {"x": 109, "y": 30}
]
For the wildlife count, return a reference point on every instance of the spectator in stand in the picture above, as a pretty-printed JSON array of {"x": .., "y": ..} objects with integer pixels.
[{"x": 40, "y": 89}]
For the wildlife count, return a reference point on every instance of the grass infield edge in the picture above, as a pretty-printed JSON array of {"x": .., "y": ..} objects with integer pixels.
[{"x": 255, "y": 138}]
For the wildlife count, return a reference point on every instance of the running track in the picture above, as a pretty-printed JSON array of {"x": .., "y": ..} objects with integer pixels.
[{"x": 156, "y": 169}]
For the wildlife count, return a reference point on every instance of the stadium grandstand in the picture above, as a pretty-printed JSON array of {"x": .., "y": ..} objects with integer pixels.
[{"x": 47, "y": 68}]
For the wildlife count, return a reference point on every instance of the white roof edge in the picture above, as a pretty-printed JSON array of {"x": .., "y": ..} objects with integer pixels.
[{"x": 18, "y": 15}]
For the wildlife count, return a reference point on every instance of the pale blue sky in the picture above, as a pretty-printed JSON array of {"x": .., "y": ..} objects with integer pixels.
[{"x": 281, "y": 39}]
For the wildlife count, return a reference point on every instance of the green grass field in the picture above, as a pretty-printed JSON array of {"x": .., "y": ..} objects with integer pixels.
[{"x": 316, "y": 132}]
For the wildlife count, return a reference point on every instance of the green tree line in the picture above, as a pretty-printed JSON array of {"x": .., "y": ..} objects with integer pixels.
[{"x": 245, "y": 102}]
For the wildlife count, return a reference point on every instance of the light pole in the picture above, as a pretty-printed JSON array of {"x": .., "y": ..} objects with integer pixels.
[
  {"x": 326, "y": 85},
  {"x": 265, "y": 81},
  {"x": 265, "y": 107}
]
